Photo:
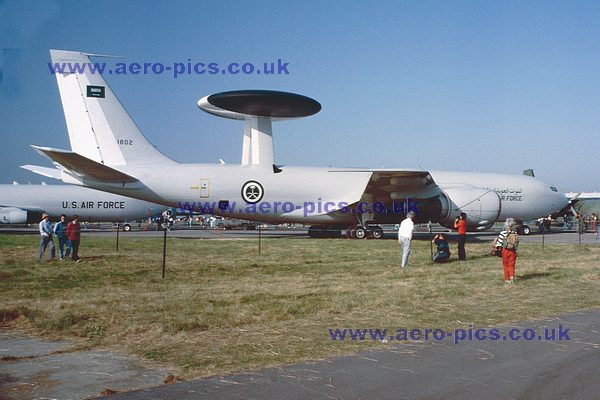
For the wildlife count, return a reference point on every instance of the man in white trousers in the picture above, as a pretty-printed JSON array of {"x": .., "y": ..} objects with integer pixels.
[{"x": 405, "y": 233}]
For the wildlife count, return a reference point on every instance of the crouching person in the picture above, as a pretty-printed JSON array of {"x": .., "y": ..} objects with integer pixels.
[{"x": 442, "y": 253}]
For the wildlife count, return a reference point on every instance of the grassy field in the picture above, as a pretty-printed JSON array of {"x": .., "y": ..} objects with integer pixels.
[{"x": 224, "y": 308}]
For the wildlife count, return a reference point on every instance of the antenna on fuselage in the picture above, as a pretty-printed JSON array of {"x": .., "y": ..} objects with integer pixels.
[{"x": 258, "y": 109}]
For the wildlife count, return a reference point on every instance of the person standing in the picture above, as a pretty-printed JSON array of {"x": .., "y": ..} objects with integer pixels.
[
  {"x": 74, "y": 235},
  {"x": 509, "y": 240},
  {"x": 461, "y": 226},
  {"x": 60, "y": 231},
  {"x": 46, "y": 236},
  {"x": 405, "y": 233}
]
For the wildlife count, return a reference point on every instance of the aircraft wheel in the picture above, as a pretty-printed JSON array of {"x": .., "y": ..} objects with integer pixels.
[
  {"x": 126, "y": 228},
  {"x": 377, "y": 232},
  {"x": 360, "y": 232}
]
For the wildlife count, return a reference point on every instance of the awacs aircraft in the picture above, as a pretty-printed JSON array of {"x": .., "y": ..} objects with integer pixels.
[
  {"x": 585, "y": 203},
  {"x": 110, "y": 153},
  {"x": 22, "y": 204}
]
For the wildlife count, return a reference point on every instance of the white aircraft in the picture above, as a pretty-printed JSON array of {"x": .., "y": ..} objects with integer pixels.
[
  {"x": 585, "y": 203},
  {"x": 110, "y": 153},
  {"x": 23, "y": 204}
]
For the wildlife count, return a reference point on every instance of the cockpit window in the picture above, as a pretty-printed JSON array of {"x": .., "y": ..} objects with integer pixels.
[{"x": 553, "y": 189}]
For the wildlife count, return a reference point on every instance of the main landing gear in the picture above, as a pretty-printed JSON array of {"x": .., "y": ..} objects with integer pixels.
[
  {"x": 362, "y": 232},
  {"x": 363, "y": 228},
  {"x": 356, "y": 232}
]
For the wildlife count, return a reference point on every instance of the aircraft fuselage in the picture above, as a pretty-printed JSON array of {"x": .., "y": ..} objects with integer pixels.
[{"x": 311, "y": 194}]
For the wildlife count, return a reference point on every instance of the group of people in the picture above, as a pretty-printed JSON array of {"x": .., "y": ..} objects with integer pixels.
[
  {"x": 68, "y": 235},
  {"x": 590, "y": 223},
  {"x": 442, "y": 253},
  {"x": 505, "y": 245}
]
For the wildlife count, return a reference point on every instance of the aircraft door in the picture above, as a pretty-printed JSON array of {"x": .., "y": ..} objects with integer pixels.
[{"x": 204, "y": 188}]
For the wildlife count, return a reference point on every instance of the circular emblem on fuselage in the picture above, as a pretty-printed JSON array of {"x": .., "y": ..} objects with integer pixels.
[{"x": 252, "y": 192}]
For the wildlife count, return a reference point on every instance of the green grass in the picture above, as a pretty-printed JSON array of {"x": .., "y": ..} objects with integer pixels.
[{"x": 224, "y": 308}]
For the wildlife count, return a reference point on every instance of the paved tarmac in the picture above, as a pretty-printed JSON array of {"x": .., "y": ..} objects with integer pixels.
[
  {"x": 486, "y": 369},
  {"x": 521, "y": 369},
  {"x": 40, "y": 369}
]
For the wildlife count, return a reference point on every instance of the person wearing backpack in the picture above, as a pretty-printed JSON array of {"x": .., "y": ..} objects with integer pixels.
[{"x": 508, "y": 240}]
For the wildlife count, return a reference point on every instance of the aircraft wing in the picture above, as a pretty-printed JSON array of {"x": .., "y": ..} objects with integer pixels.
[
  {"x": 389, "y": 185},
  {"x": 84, "y": 166}
]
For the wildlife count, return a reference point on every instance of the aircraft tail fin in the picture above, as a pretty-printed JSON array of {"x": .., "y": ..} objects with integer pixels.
[{"x": 99, "y": 128}]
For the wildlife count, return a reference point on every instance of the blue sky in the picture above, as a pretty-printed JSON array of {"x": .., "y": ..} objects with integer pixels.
[{"x": 466, "y": 86}]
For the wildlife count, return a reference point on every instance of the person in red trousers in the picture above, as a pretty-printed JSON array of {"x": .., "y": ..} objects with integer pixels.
[{"x": 508, "y": 240}]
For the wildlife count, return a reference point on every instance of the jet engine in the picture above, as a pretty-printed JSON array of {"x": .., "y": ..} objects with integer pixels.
[
  {"x": 482, "y": 207},
  {"x": 12, "y": 215}
]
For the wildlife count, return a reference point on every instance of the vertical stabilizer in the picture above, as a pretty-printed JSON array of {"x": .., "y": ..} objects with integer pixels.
[{"x": 99, "y": 127}]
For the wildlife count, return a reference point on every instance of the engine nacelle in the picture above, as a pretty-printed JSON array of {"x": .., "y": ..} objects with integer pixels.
[
  {"x": 482, "y": 207},
  {"x": 12, "y": 215}
]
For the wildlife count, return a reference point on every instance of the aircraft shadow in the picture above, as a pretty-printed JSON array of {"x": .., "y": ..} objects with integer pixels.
[
  {"x": 91, "y": 258},
  {"x": 534, "y": 275}
]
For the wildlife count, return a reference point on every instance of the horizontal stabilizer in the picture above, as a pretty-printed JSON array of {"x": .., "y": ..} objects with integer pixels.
[
  {"x": 44, "y": 171},
  {"x": 84, "y": 166},
  {"x": 62, "y": 56}
]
